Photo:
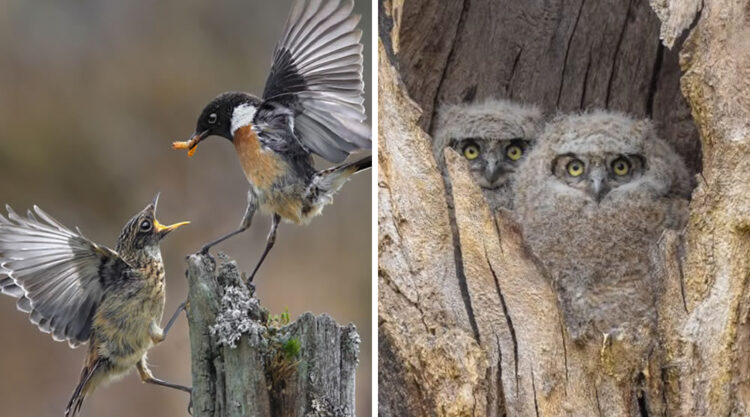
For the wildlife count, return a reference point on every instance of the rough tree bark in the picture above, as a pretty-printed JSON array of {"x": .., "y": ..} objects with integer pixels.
[
  {"x": 243, "y": 365},
  {"x": 478, "y": 331}
]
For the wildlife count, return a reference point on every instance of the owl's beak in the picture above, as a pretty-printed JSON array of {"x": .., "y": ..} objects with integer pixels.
[
  {"x": 598, "y": 185},
  {"x": 497, "y": 172}
]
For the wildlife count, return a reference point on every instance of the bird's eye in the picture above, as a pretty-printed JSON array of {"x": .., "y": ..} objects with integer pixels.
[
  {"x": 471, "y": 152},
  {"x": 575, "y": 168},
  {"x": 146, "y": 225},
  {"x": 621, "y": 166},
  {"x": 212, "y": 118},
  {"x": 514, "y": 152}
]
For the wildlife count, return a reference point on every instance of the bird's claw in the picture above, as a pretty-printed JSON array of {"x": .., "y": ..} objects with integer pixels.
[{"x": 205, "y": 252}]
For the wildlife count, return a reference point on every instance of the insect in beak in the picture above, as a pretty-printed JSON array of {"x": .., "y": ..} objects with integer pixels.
[{"x": 191, "y": 144}]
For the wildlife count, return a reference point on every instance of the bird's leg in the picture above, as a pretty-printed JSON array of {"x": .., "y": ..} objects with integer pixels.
[
  {"x": 180, "y": 308},
  {"x": 148, "y": 377},
  {"x": 158, "y": 335},
  {"x": 270, "y": 240},
  {"x": 247, "y": 219}
]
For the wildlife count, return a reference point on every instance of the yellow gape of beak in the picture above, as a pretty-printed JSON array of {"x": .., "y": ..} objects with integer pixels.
[{"x": 160, "y": 228}]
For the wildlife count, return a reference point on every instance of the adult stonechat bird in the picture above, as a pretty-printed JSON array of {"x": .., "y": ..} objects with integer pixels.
[
  {"x": 312, "y": 104},
  {"x": 83, "y": 292}
]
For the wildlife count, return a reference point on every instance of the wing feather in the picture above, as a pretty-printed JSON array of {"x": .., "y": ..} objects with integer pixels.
[
  {"x": 54, "y": 273},
  {"x": 317, "y": 73}
]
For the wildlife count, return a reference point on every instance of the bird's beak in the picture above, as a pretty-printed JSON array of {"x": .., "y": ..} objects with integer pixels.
[
  {"x": 162, "y": 230},
  {"x": 192, "y": 143},
  {"x": 159, "y": 228},
  {"x": 598, "y": 185},
  {"x": 496, "y": 171}
]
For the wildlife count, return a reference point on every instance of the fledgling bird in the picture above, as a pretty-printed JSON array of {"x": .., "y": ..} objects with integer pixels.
[
  {"x": 82, "y": 292},
  {"x": 312, "y": 104},
  {"x": 594, "y": 195},
  {"x": 494, "y": 136}
]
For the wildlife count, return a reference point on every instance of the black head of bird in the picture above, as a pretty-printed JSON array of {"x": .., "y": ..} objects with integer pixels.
[
  {"x": 312, "y": 104},
  {"x": 82, "y": 292},
  {"x": 216, "y": 118}
]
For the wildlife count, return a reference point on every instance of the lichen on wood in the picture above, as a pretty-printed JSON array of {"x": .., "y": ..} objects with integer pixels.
[{"x": 244, "y": 364}]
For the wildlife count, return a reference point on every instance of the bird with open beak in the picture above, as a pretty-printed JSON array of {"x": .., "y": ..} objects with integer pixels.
[{"x": 82, "y": 292}]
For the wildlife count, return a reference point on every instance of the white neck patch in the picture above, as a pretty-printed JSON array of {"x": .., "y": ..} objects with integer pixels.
[{"x": 242, "y": 115}]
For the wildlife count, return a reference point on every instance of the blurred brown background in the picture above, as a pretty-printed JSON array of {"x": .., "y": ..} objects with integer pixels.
[{"x": 91, "y": 95}]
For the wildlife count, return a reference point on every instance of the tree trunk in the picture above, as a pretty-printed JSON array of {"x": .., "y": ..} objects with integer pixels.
[
  {"x": 245, "y": 364},
  {"x": 468, "y": 324}
]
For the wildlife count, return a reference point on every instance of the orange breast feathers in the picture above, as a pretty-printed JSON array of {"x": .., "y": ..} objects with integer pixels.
[{"x": 262, "y": 167}]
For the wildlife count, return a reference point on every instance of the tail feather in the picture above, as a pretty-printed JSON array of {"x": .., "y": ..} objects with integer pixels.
[
  {"x": 360, "y": 165},
  {"x": 85, "y": 385},
  {"x": 326, "y": 183},
  {"x": 330, "y": 180}
]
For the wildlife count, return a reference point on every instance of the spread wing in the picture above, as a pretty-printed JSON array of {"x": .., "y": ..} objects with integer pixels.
[
  {"x": 54, "y": 273},
  {"x": 317, "y": 73}
]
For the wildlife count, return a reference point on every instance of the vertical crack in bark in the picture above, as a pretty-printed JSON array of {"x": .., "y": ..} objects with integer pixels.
[
  {"x": 458, "y": 256},
  {"x": 641, "y": 396},
  {"x": 655, "y": 74},
  {"x": 565, "y": 352},
  {"x": 617, "y": 53},
  {"x": 463, "y": 286},
  {"x": 449, "y": 59},
  {"x": 508, "y": 320},
  {"x": 533, "y": 387},
  {"x": 680, "y": 268},
  {"x": 385, "y": 26},
  {"x": 663, "y": 377},
  {"x": 598, "y": 404},
  {"x": 585, "y": 82},
  {"x": 567, "y": 50},
  {"x": 500, "y": 392},
  {"x": 499, "y": 235},
  {"x": 508, "y": 89}
]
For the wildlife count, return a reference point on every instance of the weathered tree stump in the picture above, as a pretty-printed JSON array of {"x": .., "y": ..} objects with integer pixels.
[{"x": 245, "y": 364}]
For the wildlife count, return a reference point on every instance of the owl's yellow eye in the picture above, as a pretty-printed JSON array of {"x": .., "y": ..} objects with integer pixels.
[
  {"x": 514, "y": 152},
  {"x": 471, "y": 152},
  {"x": 621, "y": 166},
  {"x": 575, "y": 168}
]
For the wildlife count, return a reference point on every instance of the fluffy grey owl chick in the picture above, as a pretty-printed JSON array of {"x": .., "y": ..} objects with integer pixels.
[
  {"x": 494, "y": 137},
  {"x": 595, "y": 193}
]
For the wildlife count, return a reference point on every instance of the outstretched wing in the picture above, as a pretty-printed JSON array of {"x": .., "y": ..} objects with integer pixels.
[
  {"x": 54, "y": 273},
  {"x": 317, "y": 73}
]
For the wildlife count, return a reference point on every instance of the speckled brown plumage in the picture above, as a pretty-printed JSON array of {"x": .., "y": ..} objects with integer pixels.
[
  {"x": 82, "y": 292},
  {"x": 592, "y": 232}
]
